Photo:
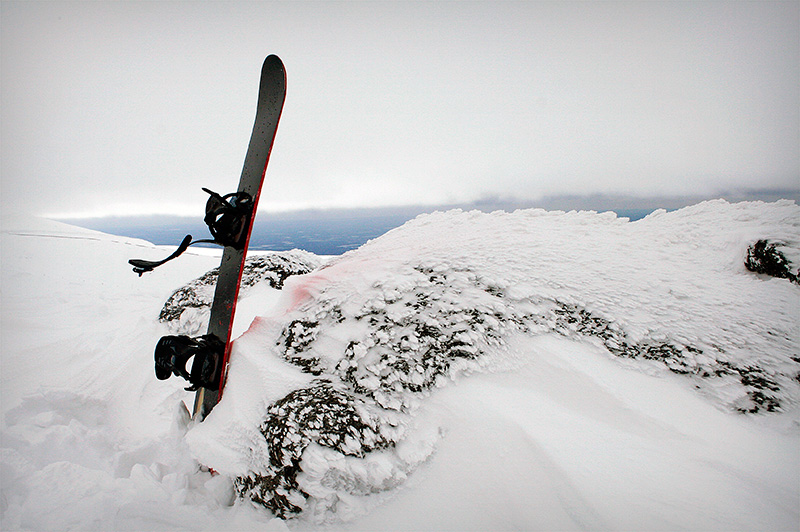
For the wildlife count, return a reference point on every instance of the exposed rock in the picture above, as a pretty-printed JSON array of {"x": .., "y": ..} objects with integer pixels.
[
  {"x": 317, "y": 414},
  {"x": 188, "y": 308},
  {"x": 766, "y": 257}
]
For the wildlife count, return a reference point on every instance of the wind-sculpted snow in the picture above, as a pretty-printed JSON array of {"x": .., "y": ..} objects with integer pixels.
[
  {"x": 447, "y": 294},
  {"x": 188, "y": 308}
]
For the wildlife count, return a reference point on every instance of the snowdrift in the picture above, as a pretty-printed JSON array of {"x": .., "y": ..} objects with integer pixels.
[
  {"x": 367, "y": 339},
  {"x": 530, "y": 370}
]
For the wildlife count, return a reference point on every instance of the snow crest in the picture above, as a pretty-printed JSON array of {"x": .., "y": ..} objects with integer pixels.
[{"x": 378, "y": 330}]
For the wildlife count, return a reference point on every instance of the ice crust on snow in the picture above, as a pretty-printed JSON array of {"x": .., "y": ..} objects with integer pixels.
[
  {"x": 531, "y": 370},
  {"x": 379, "y": 328}
]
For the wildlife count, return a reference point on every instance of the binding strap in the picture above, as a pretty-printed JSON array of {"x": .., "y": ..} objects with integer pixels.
[
  {"x": 228, "y": 219},
  {"x": 173, "y": 352}
]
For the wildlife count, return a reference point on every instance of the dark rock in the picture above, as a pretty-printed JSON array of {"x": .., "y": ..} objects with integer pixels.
[
  {"x": 272, "y": 269},
  {"x": 764, "y": 257},
  {"x": 321, "y": 414}
]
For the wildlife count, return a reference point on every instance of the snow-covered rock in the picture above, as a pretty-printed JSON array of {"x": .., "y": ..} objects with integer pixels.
[
  {"x": 531, "y": 370},
  {"x": 769, "y": 258},
  {"x": 377, "y": 330},
  {"x": 188, "y": 308}
]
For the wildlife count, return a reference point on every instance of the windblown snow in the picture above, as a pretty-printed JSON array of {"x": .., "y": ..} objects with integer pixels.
[{"x": 467, "y": 371}]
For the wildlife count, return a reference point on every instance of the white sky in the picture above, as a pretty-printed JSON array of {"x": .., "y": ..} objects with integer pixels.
[{"x": 114, "y": 108}]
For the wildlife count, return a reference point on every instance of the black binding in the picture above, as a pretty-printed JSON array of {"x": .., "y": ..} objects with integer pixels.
[
  {"x": 173, "y": 352},
  {"x": 228, "y": 219}
]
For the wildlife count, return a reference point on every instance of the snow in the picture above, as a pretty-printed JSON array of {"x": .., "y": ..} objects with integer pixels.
[{"x": 545, "y": 406}]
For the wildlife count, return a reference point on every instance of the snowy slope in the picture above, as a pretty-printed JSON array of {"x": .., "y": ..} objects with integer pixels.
[
  {"x": 90, "y": 439},
  {"x": 533, "y": 370}
]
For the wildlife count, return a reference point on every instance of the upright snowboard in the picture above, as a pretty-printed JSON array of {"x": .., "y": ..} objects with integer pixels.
[
  {"x": 230, "y": 219},
  {"x": 271, "y": 94}
]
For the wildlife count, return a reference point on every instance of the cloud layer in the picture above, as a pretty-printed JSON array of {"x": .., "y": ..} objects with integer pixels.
[{"x": 111, "y": 108}]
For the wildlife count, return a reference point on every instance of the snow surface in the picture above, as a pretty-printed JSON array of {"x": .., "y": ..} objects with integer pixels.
[{"x": 540, "y": 424}]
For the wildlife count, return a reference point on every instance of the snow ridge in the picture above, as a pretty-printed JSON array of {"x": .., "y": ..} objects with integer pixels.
[{"x": 443, "y": 296}]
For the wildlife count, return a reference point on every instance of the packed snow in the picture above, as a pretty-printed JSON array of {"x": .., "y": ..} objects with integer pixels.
[{"x": 467, "y": 371}]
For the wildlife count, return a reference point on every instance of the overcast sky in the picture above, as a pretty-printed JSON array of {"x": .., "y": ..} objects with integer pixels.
[{"x": 115, "y": 107}]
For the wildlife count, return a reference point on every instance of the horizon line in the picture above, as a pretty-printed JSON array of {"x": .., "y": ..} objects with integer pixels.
[{"x": 594, "y": 201}]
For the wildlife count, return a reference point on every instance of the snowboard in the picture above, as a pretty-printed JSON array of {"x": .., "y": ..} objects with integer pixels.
[
  {"x": 271, "y": 95},
  {"x": 230, "y": 220}
]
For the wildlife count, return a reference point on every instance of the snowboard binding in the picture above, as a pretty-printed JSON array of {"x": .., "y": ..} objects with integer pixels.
[
  {"x": 173, "y": 352},
  {"x": 228, "y": 219}
]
